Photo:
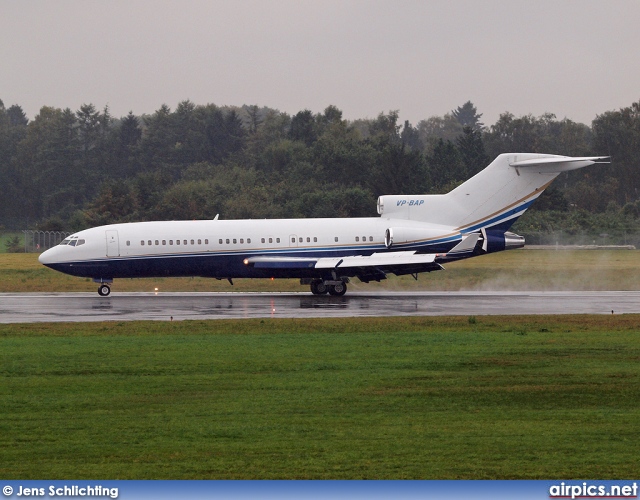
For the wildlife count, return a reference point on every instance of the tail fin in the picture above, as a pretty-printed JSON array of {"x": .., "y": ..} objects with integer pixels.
[{"x": 493, "y": 198}]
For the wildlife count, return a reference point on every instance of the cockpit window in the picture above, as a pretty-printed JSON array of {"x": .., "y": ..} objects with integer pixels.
[{"x": 73, "y": 242}]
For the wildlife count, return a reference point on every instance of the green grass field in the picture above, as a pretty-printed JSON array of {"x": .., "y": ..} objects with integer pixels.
[
  {"x": 476, "y": 398},
  {"x": 512, "y": 270}
]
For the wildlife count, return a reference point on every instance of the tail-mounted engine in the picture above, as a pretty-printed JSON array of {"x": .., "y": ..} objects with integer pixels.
[
  {"x": 398, "y": 235},
  {"x": 496, "y": 241}
]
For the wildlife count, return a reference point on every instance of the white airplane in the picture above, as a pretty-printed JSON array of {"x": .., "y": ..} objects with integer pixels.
[{"x": 413, "y": 234}]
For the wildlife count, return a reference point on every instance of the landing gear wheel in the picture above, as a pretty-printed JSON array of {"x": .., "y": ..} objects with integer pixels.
[
  {"x": 104, "y": 290},
  {"x": 338, "y": 290},
  {"x": 318, "y": 287}
]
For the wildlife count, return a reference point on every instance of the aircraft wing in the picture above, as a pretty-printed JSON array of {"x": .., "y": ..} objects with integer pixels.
[
  {"x": 369, "y": 267},
  {"x": 365, "y": 267},
  {"x": 376, "y": 259}
]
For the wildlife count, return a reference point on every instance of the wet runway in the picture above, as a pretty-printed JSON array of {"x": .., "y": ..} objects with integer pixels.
[{"x": 39, "y": 307}]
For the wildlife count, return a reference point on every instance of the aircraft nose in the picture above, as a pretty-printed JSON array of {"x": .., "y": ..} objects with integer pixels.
[{"x": 46, "y": 257}]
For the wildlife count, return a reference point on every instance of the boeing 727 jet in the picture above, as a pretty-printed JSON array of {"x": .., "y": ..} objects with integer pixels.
[{"x": 413, "y": 234}]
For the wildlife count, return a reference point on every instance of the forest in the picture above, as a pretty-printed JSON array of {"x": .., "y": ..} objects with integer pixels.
[{"x": 67, "y": 170}]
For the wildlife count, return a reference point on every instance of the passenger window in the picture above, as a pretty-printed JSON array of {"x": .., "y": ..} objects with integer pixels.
[
  {"x": 270, "y": 240},
  {"x": 248, "y": 240},
  {"x": 370, "y": 238},
  {"x": 184, "y": 242},
  {"x": 308, "y": 240},
  {"x": 199, "y": 242},
  {"x": 315, "y": 239},
  {"x": 149, "y": 242},
  {"x": 177, "y": 242},
  {"x": 228, "y": 241},
  {"x": 206, "y": 242},
  {"x": 241, "y": 240},
  {"x": 170, "y": 242},
  {"x": 235, "y": 241},
  {"x": 336, "y": 239},
  {"x": 277, "y": 240},
  {"x": 293, "y": 240},
  {"x": 192, "y": 242},
  {"x": 357, "y": 238},
  {"x": 262, "y": 240},
  {"x": 300, "y": 240},
  {"x": 220, "y": 241},
  {"x": 142, "y": 242},
  {"x": 164, "y": 242}
]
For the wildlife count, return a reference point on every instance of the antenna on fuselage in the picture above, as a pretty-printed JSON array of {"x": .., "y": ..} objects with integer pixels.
[{"x": 216, "y": 217}]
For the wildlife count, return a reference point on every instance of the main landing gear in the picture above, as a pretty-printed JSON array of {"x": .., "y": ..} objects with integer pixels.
[{"x": 336, "y": 288}]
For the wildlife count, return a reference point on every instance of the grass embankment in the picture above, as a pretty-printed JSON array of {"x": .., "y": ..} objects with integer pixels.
[
  {"x": 498, "y": 397},
  {"x": 513, "y": 270}
]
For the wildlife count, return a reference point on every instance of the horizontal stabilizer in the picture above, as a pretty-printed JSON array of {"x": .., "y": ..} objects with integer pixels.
[{"x": 559, "y": 163}]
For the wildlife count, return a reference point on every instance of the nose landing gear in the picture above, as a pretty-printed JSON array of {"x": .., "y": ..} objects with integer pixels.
[{"x": 103, "y": 286}]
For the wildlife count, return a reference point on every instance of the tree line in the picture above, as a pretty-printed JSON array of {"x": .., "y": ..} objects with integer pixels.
[{"x": 66, "y": 170}]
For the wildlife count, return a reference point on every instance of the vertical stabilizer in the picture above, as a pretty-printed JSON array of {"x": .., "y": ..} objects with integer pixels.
[{"x": 493, "y": 198}]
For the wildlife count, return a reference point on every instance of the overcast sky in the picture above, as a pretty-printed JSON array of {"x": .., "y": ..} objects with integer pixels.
[{"x": 575, "y": 58}]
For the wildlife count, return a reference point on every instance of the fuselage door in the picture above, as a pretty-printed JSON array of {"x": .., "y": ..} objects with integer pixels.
[{"x": 113, "y": 243}]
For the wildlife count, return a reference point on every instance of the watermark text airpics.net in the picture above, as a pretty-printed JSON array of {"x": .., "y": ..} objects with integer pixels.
[
  {"x": 62, "y": 491},
  {"x": 587, "y": 490}
]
